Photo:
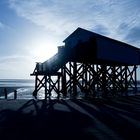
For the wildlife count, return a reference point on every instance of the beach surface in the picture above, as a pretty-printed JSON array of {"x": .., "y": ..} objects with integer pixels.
[{"x": 98, "y": 119}]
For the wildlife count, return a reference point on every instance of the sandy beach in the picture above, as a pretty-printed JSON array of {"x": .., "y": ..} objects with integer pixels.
[{"x": 98, "y": 119}]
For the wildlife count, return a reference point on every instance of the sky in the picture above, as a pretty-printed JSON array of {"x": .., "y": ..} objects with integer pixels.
[{"x": 31, "y": 30}]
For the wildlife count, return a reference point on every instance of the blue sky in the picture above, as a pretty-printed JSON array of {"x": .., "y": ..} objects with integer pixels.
[{"x": 31, "y": 30}]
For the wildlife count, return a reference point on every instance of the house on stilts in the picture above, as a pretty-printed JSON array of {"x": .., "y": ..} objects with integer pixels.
[{"x": 90, "y": 63}]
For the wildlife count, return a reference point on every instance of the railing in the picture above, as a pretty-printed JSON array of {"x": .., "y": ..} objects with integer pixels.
[
  {"x": 51, "y": 65},
  {"x": 54, "y": 63}
]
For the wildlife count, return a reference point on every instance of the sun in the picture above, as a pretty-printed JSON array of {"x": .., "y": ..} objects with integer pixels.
[{"x": 43, "y": 50}]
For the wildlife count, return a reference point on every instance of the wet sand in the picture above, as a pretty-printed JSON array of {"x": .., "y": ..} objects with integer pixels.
[{"x": 98, "y": 119}]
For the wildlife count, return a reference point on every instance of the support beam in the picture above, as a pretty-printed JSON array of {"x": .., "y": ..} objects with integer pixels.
[
  {"x": 135, "y": 78},
  {"x": 64, "y": 89},
  {"x": 47, "y": 83},
  {"x": 91, "y": 79},
  {"x": 74, "y": 79}
]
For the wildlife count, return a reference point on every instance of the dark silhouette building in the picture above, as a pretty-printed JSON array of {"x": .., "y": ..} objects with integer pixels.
[{"x": 90, "y": 63}]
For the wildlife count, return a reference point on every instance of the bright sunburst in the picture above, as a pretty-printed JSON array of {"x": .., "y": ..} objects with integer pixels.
[{"x": 43, "y": 50}]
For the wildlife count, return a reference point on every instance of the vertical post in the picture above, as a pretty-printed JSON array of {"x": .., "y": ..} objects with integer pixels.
[
  {"x": 45, "y": 84},
  {"x": 35, "y": 91},
  {"x": 15, "y": 94},
  {"x": 36, "y": 78},
  {"x": 75, "y": 79},
  {"x": 49, "y": 84},
  {"x": 83, "y": 70},
  {"x": 58, "y": 88},
  {"x": 86, "y": 83},
  {"x": 114, "y": 79},
  {"x": 126, "y": 80},
  {"x": 64, "y": 90},
  {"x": 121, "y": 80},
  {"x": 70, "y": 77},
  {"x": 5, "y": 93},
  {"x": 89, "y": 78},
  {"x": 98, "y": 77},
  {"x": 104, "y": 82},
  {"x": 89, "y": 75},
  {"x": 135, "y": 77},
  {"x": 94, "y": 77}
]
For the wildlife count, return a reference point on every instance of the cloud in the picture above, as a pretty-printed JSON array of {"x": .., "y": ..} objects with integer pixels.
[
  {"x": 61, "y": 16},
  {"x": 101, "y": 29},
  {"x": 116, "y": 19},
  {"x": 1, "y": 25},
  {"x": 133, "y": 36}
]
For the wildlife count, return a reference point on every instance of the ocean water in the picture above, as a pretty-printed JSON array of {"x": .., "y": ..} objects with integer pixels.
[
  {"x": 16, "y": 82},
  {"x": 25, "y": 88}
]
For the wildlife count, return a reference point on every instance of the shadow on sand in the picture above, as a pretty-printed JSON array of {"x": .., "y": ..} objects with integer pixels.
[{"x": 73, "y": 119}]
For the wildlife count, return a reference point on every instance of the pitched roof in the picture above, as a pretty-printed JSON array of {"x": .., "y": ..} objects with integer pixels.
[
  {"x": 108, "y": 49},
  {"x": 79, "y": 31}
]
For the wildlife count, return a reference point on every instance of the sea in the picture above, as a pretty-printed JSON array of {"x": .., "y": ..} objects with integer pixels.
[{"x": 25, "y": 88}]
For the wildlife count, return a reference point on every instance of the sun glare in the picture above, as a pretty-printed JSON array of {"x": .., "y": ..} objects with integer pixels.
[{"x": 44, "y": 50}]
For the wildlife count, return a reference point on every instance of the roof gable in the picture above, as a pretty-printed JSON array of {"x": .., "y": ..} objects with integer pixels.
[
  {"x": 106, "y": 48},
  {"x": 84, "y": 35}
]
